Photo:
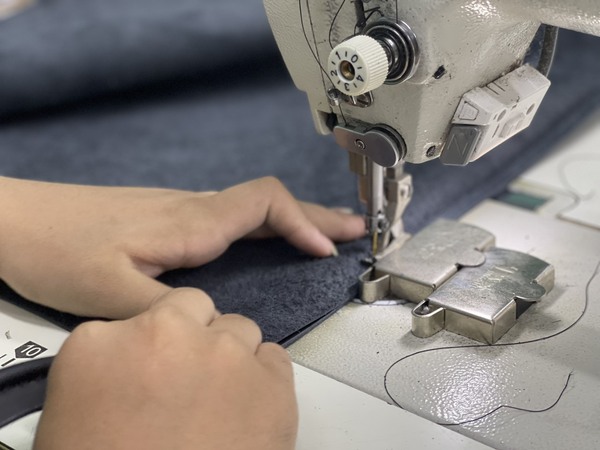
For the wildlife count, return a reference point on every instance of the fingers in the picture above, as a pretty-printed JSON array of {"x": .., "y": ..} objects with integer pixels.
[
  {"x": 123, "y": 292},
  {"x": 337, "y": 225},
  {"x": 206, "y": 193},
  {"x": 277, "y": 359},
  {"x": 110, "y": 292},
  {"x": 244, "y": 329},
  {"x": 247, "y": 207},
  {"x": 196, "y": 305},
  {"x": 191, "y": 303},
  {"x": 137, "y": 290}
]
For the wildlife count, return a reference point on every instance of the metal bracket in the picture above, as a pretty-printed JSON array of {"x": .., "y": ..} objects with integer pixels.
[
  {"x": 460, "y": 281},
  {"x": 336, "y": 98}
]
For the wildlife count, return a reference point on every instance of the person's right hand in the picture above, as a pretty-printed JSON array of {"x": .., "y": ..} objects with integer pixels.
[
  {"x": 95, "y": 251},
  {"x": 177, "y": 376}
]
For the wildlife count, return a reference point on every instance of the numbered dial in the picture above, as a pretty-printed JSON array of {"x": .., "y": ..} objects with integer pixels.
[{"x": 358, "y": 65}]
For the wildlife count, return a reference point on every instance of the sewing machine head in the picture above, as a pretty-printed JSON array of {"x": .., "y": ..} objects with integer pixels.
[{"x": 412, "y": 81}]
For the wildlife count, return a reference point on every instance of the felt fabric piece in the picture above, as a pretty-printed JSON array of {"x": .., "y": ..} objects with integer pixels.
[
  {"x": 285, "y": 292},
  {"x": 289, "y": 291},
  {"x": 227, "y": 129}
]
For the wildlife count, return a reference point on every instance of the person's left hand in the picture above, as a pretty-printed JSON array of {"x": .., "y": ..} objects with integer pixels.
[
  {"x": 178, "y": 375},
  {"x": 94, "y": 251}
]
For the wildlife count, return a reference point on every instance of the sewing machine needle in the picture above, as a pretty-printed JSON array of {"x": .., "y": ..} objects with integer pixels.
[{"x": 374, "y": 242}]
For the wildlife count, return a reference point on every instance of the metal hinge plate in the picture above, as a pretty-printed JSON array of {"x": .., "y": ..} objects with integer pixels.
[{"x": 460, "y": 281}]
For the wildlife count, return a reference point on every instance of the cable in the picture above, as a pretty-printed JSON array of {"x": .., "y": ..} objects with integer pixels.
[
  {"x": 333, "y": 22},
  {"x": 23, "y": 389},
  {"x": 313, "y": 51},
  {"x": 516, "y": 408},
  {"x": 549, "y": 42},
  {"x": 308, "y": 42}
]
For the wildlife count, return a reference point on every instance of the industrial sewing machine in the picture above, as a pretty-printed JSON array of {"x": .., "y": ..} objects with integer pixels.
[{"x": 399, "y": 81}]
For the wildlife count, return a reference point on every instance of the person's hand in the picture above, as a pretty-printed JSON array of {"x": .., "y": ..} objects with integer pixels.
[
  {"x": 95, "y": 251},
  {"x": 177, "y": 376}
]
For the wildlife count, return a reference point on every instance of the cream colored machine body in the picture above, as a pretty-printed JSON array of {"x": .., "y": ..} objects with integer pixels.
[{"x": 415, "y": 80}]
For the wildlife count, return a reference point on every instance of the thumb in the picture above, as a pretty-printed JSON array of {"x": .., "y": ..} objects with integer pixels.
[{"x": 127, "y": 293}]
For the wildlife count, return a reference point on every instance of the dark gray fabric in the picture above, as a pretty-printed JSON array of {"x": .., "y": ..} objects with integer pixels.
[
  {"x": 66, "y": 50},
  {"x": 275, "y": 285},
  {"x": 217, "y": 129},
  {"x": 284, "y": 291}
]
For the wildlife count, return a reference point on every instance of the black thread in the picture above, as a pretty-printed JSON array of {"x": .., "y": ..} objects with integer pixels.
[
  {"x": 568, "y": 189},
  {"x": 308, "y": 42},
  {"x": 576, "y": 196},
  {"x": 314, "y": 54},
  {"x": 516, "y": 408},
  {"x": 360, "y": 24},
  {"x": 333, "y": 22},
  {"x": 476, "y": 346},
  {"x": 343, "y": 116},
  {"x": 361, "y": 19}
]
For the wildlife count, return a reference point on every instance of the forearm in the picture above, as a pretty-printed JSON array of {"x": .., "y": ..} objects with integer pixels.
[{"x": 8, "y": 219}]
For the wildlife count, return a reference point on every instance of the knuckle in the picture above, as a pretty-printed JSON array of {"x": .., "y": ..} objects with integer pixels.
[
  {"x": 244, "y": 321},
  {"x": 180, "y": 299},
  {"x": 251, "y": 330},
  {"x": 272, "y": 183},
  {"x": 277, "y": 352},
  {"x": 86, "y": 331},
  {"x": 177, "y": 212},
  {"x": 163, "y": 316},
  {"x": 229, "y": 346},
  {"x": 163, "y": 327},
  {"x": 82, "y": 337},
  {"x": 157, "y": 319},
  {"x": 160, "y": 332}
]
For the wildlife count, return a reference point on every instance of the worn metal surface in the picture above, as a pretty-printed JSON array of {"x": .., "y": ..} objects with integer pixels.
[
  {"x": 461, "y": 284},
  {"x": 426, "y": 261},
  {"x": 484, "y": 302}
]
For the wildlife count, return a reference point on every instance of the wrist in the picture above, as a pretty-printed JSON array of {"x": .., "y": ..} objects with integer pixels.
[{"x": 8, "y": 219}]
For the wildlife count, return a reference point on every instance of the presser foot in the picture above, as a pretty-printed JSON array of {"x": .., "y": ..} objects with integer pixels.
[{"x": 459, "y": 280}]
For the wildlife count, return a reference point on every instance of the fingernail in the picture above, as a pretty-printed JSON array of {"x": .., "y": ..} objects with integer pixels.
[
  {"x": 334, "y": 251},
  {"x": 343, "y": 210}
]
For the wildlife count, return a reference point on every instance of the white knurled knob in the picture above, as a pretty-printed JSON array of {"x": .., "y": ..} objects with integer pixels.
[{"x": 358, "y": 65}]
